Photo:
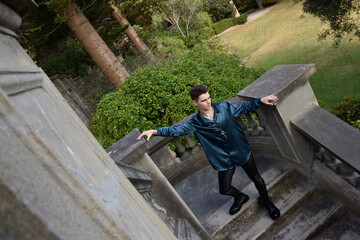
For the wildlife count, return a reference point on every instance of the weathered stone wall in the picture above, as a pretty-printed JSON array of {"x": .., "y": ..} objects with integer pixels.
[{"x": 56, "y": 181}]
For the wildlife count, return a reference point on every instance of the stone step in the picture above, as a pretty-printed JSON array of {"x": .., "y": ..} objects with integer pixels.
[
  {"x": 287, "y": 200},
  {"x": 200, "y": 191},
  {"x": 220, "y": 222},
  {"x": 184, "y": 230},
  {"x": 309, "y": 220},
  {"x": 346, "y": 228}
]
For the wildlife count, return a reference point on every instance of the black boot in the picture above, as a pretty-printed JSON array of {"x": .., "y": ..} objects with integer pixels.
[
  {"x": 238, "y": 202},
  {"x": 274, "y": 212}
]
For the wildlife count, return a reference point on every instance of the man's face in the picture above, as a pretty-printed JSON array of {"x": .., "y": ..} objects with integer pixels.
[{"x": 203, "y": 102}]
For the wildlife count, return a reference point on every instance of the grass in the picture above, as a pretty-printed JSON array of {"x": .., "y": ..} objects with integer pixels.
[{"x": 282, "y": 36}]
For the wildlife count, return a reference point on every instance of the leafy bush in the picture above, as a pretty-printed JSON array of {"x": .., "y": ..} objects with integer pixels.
[
  {"x": 72, "y": 62},
  {"x": 245, "y": 5},
  {"x": 349, "y": 111},
  {"x": 223, "y": 25},
  {"x": 208, "y": 32},
  {"x": 219, "y": 9},
  {"x": 229, "y": 22},
  {"x": 155, "y": 96},
  {"x": 165, "y": 45},
  {"x": 240, "y": 20},
  {"x": 269, "y": 2}
]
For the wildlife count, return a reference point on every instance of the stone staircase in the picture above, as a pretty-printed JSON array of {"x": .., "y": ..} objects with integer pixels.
[{"x": 307, "y": 212}]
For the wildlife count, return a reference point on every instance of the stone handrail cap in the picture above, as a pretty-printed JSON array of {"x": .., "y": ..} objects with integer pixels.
[
  {"x": 330, "y": 132},
  {"x": 128, "y": 149},
  {"x": 280, "y": 80}
]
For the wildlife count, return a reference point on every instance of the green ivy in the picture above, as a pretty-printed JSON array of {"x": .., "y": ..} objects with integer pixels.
[{"x": 155, "y": 96}]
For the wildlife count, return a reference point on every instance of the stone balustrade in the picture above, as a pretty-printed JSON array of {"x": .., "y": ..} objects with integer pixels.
[{"x": 316, "y": 143}]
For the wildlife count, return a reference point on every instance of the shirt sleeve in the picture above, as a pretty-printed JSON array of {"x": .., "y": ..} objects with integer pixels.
[
  {"x": 239, "y": 110},
  {"x": 175, "y": 131}
]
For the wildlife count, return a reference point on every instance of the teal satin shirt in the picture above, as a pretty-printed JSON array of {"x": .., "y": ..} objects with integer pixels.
[{"x": 222, "y": 139}]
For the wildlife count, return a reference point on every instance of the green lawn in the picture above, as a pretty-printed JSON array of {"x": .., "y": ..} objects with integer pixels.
[{"x": 281, "y": 36}]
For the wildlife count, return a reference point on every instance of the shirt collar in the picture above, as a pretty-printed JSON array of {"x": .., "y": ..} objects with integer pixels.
[{"x": 200, "y": 119}]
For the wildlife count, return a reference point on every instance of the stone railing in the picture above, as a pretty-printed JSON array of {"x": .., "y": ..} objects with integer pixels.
[
  {"x": 308, "y": 138},
  {"x": 182, "y": 163},
  {"x": 316, "y": 143},
  {"x": 336, "y": 144}
]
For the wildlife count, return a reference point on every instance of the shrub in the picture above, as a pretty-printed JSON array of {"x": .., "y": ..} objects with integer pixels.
[
  {"x": 72, "y": 62},
  {"x": 269, "y": 2},
  {"x": 219, "y": 9},
  {"x": 245, "y": 5},
  {"x": 208, "y": 32},
  {"x": 229, "y": 22},
  {"x": 155, "y": 96},
  {"x": 165, "y": 45},
  {"x": 349, "y": 111},
  {"x": 223, "y": 25},
  {"x": 240, "y": 20}
]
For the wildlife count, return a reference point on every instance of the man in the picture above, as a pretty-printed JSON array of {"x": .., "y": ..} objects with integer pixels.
[{"x": 224, "y": 143}]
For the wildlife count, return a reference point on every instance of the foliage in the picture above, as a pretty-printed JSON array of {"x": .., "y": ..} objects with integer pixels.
[
  {"x": 181, "y": 13},
  {"x": 282, "y": 37},
  {"x": 72, "y": 62},
  {"x": 93, "y": 86},
  {"x": 349, "y": 111},
  {"x": 165, "y": 45},
  {"x": 341, "y": 15},
  {"x": 245, "y": 5},
  {"x": 229, "y": 22},
  {"x": 219, "y": 9},
  {"x": 269, "y": 2},
  {"x": 155, "y": 96},
  {"x": 139, "y": 12}
]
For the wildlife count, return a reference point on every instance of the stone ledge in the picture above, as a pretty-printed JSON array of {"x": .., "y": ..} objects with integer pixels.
[
  {"x": 330, "y": 132},
  {"x": 280, "y": 80},
  {"x": 127, "y": 150}
]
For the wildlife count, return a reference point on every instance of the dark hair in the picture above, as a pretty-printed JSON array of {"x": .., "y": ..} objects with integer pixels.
[{"x": 196, "y": 91}]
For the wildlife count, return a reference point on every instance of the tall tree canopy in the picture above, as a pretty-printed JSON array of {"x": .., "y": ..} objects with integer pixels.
[{"x": 341, "y": 15}]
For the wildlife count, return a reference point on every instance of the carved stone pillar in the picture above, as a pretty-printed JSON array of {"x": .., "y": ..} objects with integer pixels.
[{"x": 290, "y": 83}]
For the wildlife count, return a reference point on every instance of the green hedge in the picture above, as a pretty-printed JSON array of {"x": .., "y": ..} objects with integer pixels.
[
  {"x": 229, "y": 22},
  {"x": 155, "y": 96},
  {"x": 349, "y": 111}
]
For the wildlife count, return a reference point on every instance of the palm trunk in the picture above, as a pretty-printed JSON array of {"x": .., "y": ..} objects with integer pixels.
[
  {"x": 94, "y": 45},
  {"x": 130, "y": 32}
]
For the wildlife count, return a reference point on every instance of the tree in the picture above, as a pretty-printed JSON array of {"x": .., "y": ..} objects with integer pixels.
[
  {"x": 130, "y": 31},
  {"x": 93, "y": 44},
  {"x": 341, "y": 15},
  {"x": 181, "y": 13}
]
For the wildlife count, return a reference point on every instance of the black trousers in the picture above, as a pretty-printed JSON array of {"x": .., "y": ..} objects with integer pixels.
[{"x": 225, "y": 179}]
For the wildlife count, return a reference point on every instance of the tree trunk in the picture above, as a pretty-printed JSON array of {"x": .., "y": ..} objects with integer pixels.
[
  {"x": 260, "y": 3},
  {"x": 130, "y": 32},
  {"x": 94, "y": 45}
]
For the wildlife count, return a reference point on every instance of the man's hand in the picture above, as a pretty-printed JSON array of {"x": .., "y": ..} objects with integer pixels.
[
  {"x": 148, "y": 134},
  {"x": 269, "y": 100}
]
